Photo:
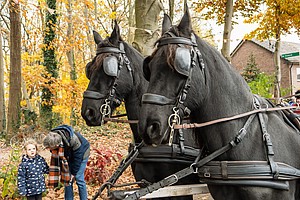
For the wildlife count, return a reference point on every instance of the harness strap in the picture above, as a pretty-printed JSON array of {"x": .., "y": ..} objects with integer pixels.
[
  {"x": 109, "y": 50},
  {"x": 172, "y": 179},
  {"x": 121, "y": 168},
  {"x": 93, "y": 95},
  {"x": 267, "y": 140},
  {"x": 181, "y": 140},
  {"x": 156, "y": 99},
  {"x": 250, "y": 170},
  {"x": 176, "y": 40},
  {"x": 279, "y": 185}
]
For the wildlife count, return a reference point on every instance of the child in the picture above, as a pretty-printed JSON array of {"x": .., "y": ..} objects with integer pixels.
[{"x": 31, "y": 180}]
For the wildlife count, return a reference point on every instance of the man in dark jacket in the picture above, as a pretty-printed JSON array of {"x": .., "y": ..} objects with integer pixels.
[{"x": 70, "y": 153}]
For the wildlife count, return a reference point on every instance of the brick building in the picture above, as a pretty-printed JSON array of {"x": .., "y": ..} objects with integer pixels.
[{"x": 263, "y": 53}]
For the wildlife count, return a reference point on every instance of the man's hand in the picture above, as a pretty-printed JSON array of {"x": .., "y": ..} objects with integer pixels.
[{"x": 72, "y": 178}]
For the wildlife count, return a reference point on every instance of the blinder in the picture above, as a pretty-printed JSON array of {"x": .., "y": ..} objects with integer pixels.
[
  {"x": 111, "y": 66},
  {"x": 182, "y": 62}
]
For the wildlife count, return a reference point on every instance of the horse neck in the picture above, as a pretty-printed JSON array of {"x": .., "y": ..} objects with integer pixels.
[
  {"x": 224, "y": 94},
  {"x": 133, "y": 99}
]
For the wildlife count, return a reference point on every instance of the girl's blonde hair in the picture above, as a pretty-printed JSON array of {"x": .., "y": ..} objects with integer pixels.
[{"x": 30, "y": 141}]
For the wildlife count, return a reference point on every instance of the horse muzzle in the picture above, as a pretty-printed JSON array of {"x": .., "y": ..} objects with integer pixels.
[
  {"x": 154, "y": 134},
  {"x": 91, "y": 117}
]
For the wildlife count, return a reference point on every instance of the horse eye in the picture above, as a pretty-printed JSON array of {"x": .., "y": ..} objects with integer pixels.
[{"x": 88, "y": 70}]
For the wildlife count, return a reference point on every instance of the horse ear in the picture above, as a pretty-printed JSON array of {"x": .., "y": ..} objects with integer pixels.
[
  {"x": 167, "y": 23},
  {"x": 115, "y": 35},
  {"x": 97, "y": 37},
  {"x": 185, "y": 25}
]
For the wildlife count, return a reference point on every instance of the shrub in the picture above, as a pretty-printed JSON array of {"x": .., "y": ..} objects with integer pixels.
[
  {"x": 97, "y": 167},
  {"x": 9, "y": 175}
]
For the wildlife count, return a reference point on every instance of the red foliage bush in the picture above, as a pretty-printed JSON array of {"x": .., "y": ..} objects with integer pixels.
[{"x": 97, "y": 170}]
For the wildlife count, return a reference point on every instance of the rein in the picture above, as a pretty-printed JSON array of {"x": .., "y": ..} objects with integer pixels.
[
  {"x": 113, "y": 119},
  {"x": 225, "y": 119}
]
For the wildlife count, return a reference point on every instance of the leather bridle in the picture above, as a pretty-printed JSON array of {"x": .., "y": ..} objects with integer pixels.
[
  {"x": 122, "y": 59},
  {"x": 150, "y": 98}
]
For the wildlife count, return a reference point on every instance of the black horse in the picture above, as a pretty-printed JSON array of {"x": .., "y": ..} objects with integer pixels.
[
  {"x": 184, "y": 71},
  {"x": 116, "y": 75}
]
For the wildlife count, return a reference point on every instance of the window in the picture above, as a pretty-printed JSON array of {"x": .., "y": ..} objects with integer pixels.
[{"x": 298, "y": 74}]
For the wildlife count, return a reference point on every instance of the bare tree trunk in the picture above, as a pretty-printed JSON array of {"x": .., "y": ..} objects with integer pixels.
[
  {"x": 147, "y": 31},
  {"x": 25, "y": 94},
  {"x": 227, "y": 30},
  {"x": 131, "y": 22},
  {"x": 70, "y": 56},
  {"x": 171, "y": 9},
  {"x": 15, "y": 69},
  {"x": 2, "y": 99},
  {"x": 89, "y": 34},
  {"x": 277, "y": 63},
  {"x": 277, "y": 69}
]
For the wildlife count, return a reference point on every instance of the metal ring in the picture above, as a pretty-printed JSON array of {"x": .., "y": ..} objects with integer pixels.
[
  {"x": 105, "y": 109},
  {"x": 265, "y": 106},
  {"x": 170, "y": 120},
  {"x": 194, "y": 168},
  {"x": 174, "y": 175}
]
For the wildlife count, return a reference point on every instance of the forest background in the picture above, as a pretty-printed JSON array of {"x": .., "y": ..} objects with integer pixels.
[{"x": 45, "y": 45}]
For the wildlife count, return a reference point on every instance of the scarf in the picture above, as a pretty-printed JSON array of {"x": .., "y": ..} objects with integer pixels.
[{"x": 58, "y": 166}]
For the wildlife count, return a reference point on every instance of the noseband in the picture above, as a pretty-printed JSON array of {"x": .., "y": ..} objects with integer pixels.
[
  {"x": 185, "y": 61},
  {"x": 111, "y": 66}
]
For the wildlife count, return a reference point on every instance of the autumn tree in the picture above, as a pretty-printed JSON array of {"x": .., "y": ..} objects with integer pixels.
[
  {"x": 226, "y": 12},
  {"x": 277, "y": 19},
  {"x": 13, "y": 114},
  {"x": 50, "y": 63}
]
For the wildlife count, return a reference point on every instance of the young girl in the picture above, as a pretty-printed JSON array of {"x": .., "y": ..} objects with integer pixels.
[{"x": 31, "y": 180}]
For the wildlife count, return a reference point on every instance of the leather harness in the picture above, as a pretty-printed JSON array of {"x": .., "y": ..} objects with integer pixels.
[{"x": 247, "y": 173}]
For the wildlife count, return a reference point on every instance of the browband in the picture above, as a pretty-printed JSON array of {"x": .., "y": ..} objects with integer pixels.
[
  {"x": 176, "y": 40},
  {"x": 109, "y": 50}
]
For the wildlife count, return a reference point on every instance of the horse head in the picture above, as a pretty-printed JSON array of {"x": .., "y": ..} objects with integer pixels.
[
  {"x": 111, "y": 77},
  {"x": 167, "y": 70},
  {"x": 184, "y": 73}
]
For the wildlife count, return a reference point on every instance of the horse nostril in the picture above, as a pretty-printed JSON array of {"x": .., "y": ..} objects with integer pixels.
[
  {"x": 90, "y": 113},
  {"x": 153, "y": 130}
]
